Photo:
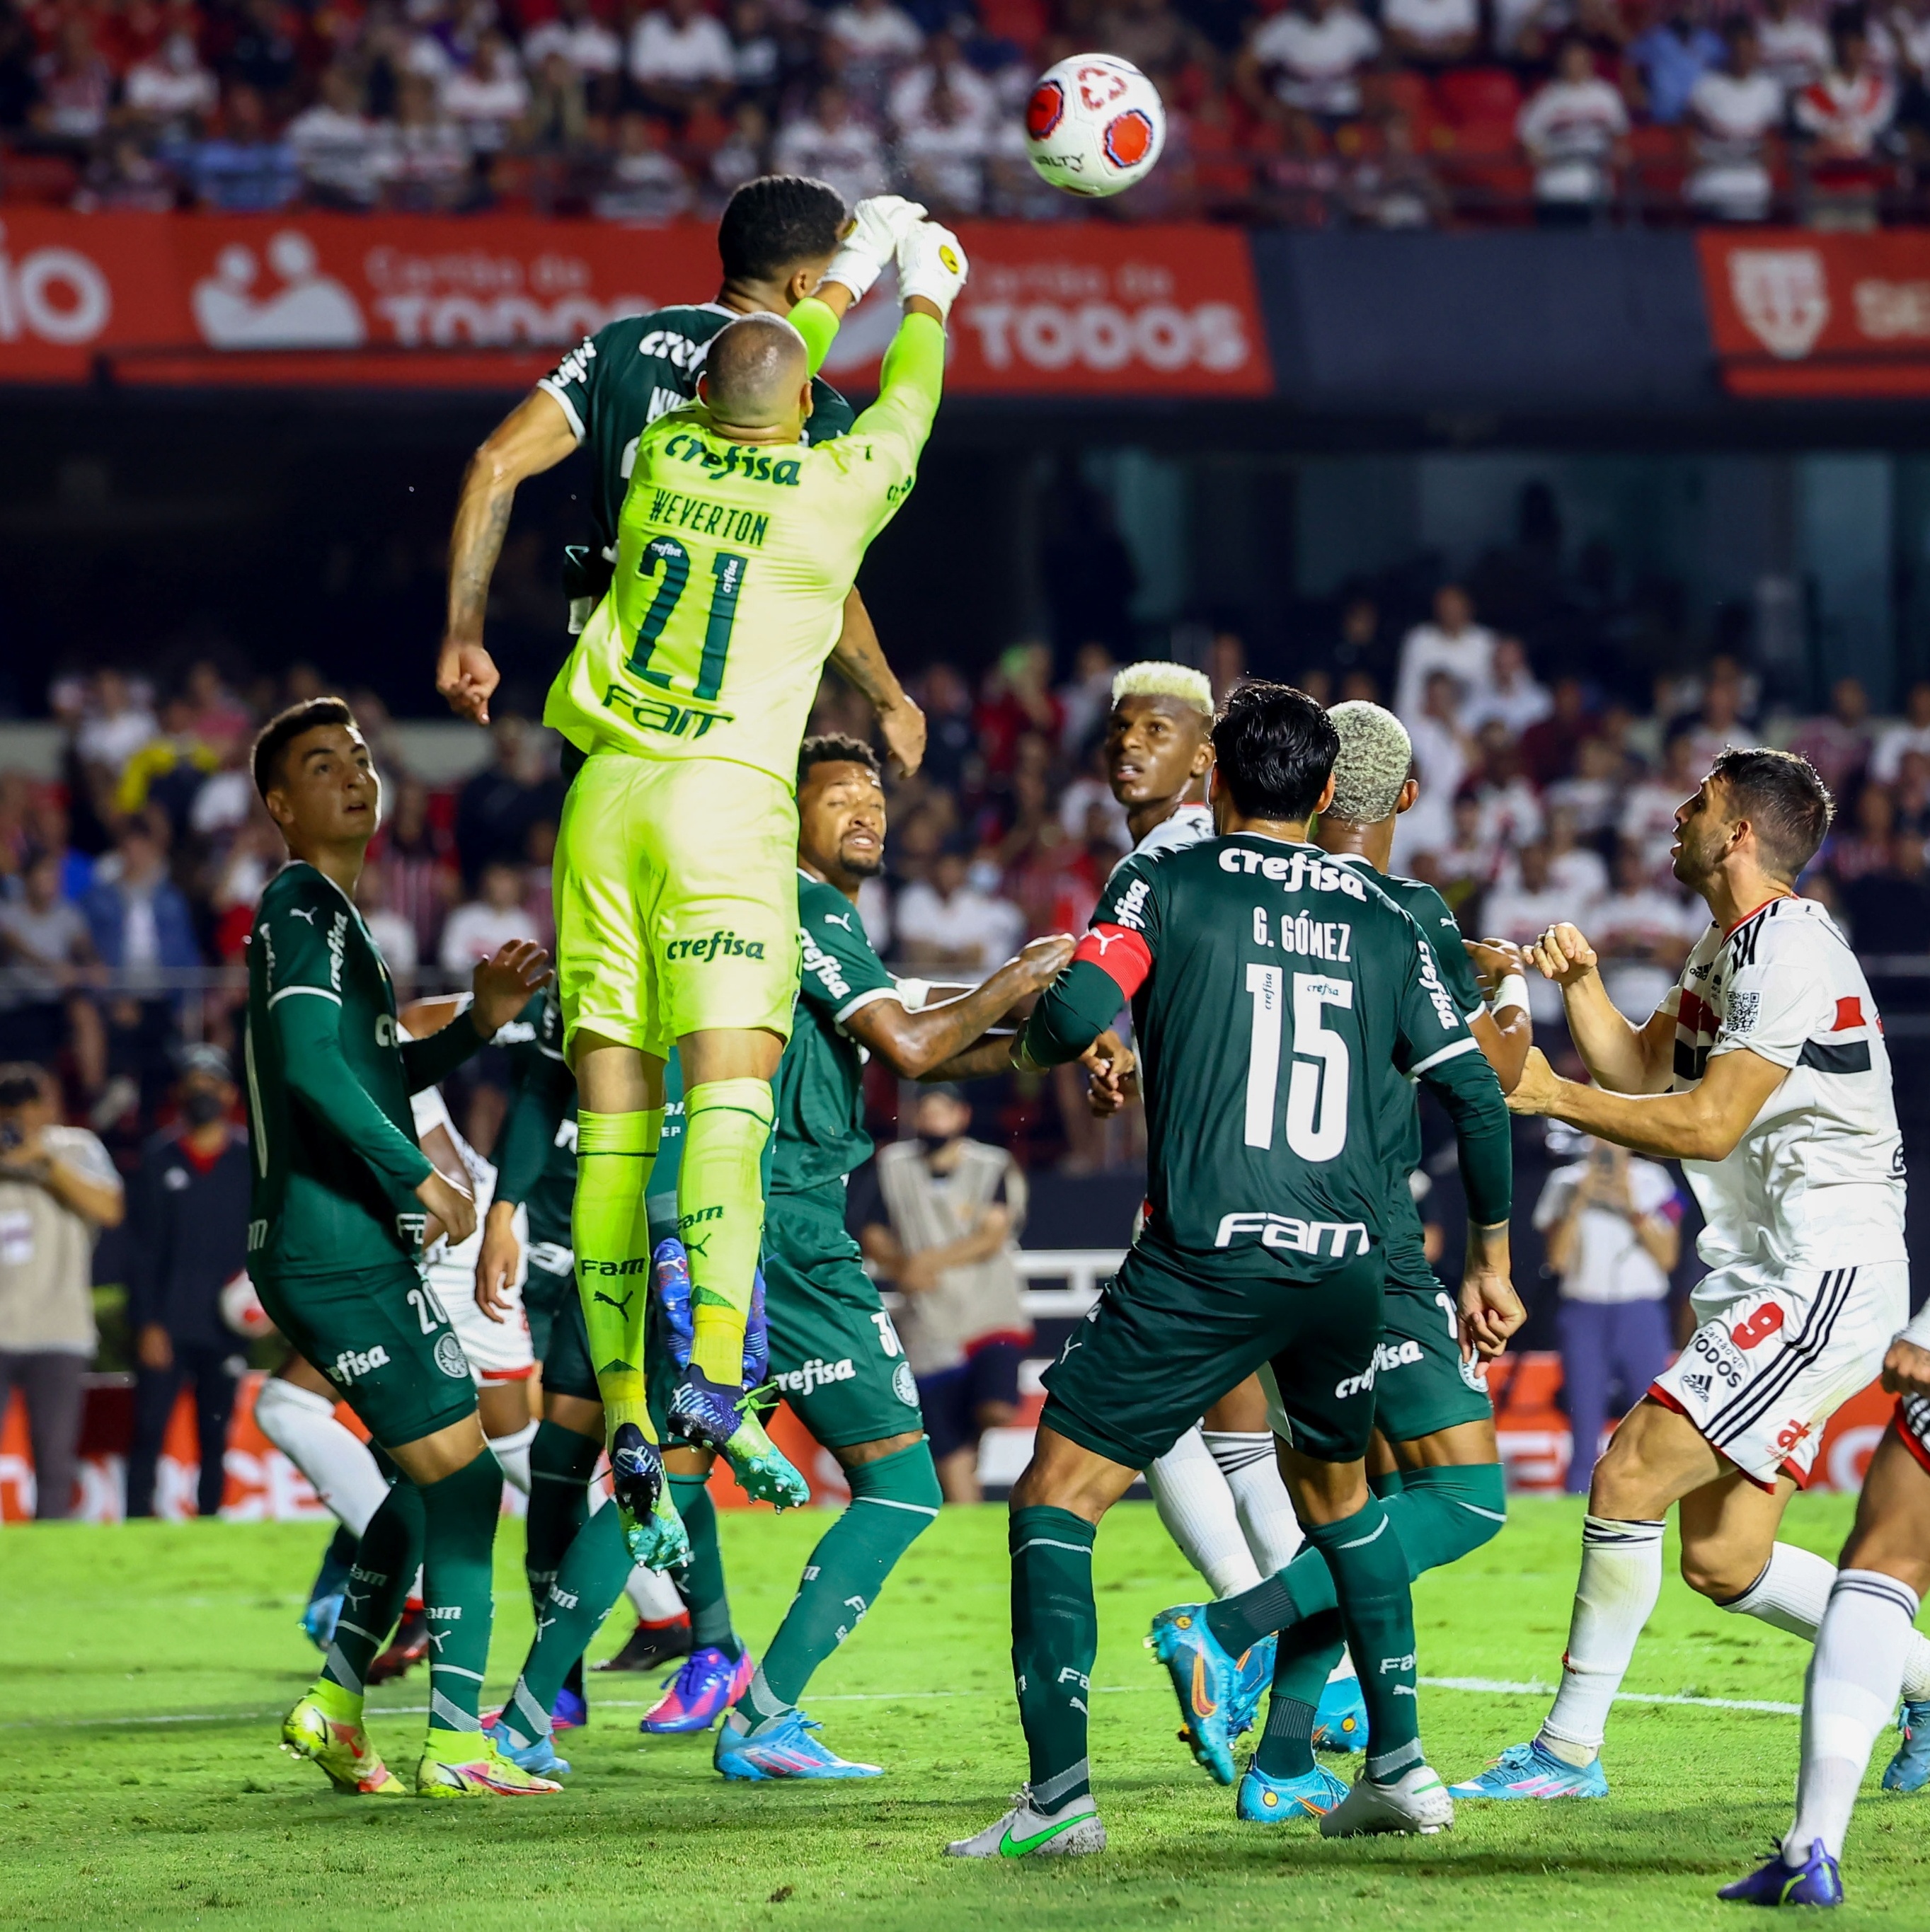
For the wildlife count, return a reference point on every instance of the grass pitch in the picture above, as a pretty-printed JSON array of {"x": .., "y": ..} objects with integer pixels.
[{"x": 142, "y": 1670}]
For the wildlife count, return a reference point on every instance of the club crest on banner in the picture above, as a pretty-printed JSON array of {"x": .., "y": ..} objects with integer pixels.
[{"x": 1783, "y": 296}]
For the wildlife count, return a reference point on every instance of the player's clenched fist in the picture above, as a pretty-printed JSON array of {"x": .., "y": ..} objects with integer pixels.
[
  {"x": 1041, "y": 960},
  {"x": 1562, "y": 954},
  {"x": 879, "y": 223},
  {"x": 451, "y": 1210},
  {"x": 1535, "y": 1091},
  {"x": 931, "y": 266},
  {"x": 1906, "y": 1369}
]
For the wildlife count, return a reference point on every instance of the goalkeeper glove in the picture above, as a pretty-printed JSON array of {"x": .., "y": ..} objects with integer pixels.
[
  {"x": 930, "y": 263},
  {"x": 882, "y": 220}
]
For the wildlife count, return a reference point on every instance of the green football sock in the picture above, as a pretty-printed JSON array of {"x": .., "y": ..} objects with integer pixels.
[
  {"x": 385, "y": 1565},
  {"x": 894, "y": 1500},
  {"x": 591, "y": 1578},
  {"x": 1389, "y": 1485},
  {"x": 720, "y": 1215},
  {"x": 609, "y": 1232},
  {"x": 1305, "y": 1660},
  {"x": 1377, "y": 1613},
  {"x": 1055, "y": 1639},
  {"x": 561, "y": 1464},
  {"x": 458, "y": 1539},
  {"x": 702, "y": 1583}
]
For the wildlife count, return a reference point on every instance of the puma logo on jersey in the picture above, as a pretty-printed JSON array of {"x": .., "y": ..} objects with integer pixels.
[
  {"x": 1101, "y": 940},
  {"x": 623, "y": 1306},
  {"x": 302, "y": 912},
  {"x": 843, "y": 919}
]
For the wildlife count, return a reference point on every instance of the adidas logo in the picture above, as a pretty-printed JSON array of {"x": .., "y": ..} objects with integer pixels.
[{"x": 1697, "y": 1384}]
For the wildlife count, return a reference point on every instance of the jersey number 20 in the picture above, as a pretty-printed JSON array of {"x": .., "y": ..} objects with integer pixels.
[
  {"x": 667, "y": 560},
  {"x": 1316, "y": 1089}
]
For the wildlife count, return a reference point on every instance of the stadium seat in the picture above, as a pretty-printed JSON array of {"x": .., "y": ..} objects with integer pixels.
[
  {"x": 44, "y": 180},
  {"x": 1473, "y": 95}
]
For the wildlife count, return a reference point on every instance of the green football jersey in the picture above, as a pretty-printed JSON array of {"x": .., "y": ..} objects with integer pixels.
[
  {"x": 820, "y": 1087},
  {"x": 331, "y": 1195},
  {"x": 1279, "y": 1000},
  {"x": 614, "y": 384}
]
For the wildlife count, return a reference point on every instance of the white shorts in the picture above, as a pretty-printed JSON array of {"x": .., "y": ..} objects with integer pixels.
[
  {"x": 1778, "y": 1353},
  {"x": 498, "y": 1351}
]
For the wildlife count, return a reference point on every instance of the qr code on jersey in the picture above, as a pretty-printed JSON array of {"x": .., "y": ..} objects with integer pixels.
[{"x": 1741, "y": 1017}]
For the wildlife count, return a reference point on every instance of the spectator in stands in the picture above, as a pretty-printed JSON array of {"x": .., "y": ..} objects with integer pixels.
[
  {"x": 1018, "y": 699},
  {"x": 591, "y": 50},
  {"x": 1889, "y": 911},
  {"x": 940, "y": 1217},
  {"x": 867, "y": 43},
  {"x": 832, "y": 145},
  {"x": 1665, "y": 61},
  {"x": 942, "y": 145},
  {"x": 559, "y": 125},
  {"x": 429, "y": 173},
  {"x": 1895, "y": 741},
  {"x": 46, "y": 962},
  {"x": 1521, "y": 910},
  {"x": 495, "y": 809},
  {"x": 1846, "y": 112},
  {"x": 1308, "y": 59},
  {"x": 490, "y": 98},
  {"x": 1443, "y": 749},
  {"x": 644, "y": 182},
  {"x": 187, "y": 1216},
  {"x": 169, "y": 94},
  {"x": 496, "y": 916},
  {"x": 394, "y": 938},
  {"x": 1453, "y": 642},
  {"x": 75, "y": 85},
  {"x": 758, "y": 65},
  {"x": 1574, "y": 869},
  {"x": 1397, "y": 188},
  {"x": 1612, "y": 1224},
  {"x": 1862, "y": 847},
  {"x": 1838, "y": 744},
  {"x": 681, "y": 57},
  {"x": 1510, "y": 813},
  {"x": 952, "y": 757},
  {"x": 116, "y": 720},
  {"x": 1717, "y": 723},
  {"x": 1648, "y": 820},
  {"x": 948, "y": 925},
  {"x": 1512, "y": 697},
  {"x": 247, "y": 168},
  {"x": 1734, "y": 109},
  {"x": 263, "y": 55},
  {"x": 1642, "y": 934},
  {"x": 1430, "y": 33},
  {"x": 1795, "y": 49},
  {"x": 1575, "y": 130},
  {"x": 58, "y": 1190},
  {"x": 344, "y": 156}
]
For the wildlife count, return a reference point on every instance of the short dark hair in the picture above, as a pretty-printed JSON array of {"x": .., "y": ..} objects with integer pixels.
[
  {"x": 1788, "y": 805},
  {"x": 1274, "y": 749},
  {"x": 772, "y": 223},
  {"x": 22, "y": 1082},
  {"x": 835, "y": 748},
  {"x": 269, "y": 758}
]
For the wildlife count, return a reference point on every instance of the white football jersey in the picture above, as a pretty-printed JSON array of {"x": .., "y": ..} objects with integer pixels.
[
  {"x": 1816, "y": 1181},
  {"x": 1188, "y": 825}
]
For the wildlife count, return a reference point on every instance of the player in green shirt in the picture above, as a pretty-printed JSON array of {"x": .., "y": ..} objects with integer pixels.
[
  {"x": 1277, "y": 997},
  {"x": 343, "y": 1198}
]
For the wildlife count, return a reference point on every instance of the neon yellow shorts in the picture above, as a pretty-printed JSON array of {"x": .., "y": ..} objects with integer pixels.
[{"x": 676, "y": 900}]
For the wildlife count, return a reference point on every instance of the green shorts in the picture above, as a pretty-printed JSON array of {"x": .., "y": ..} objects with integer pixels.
[
  {"x": 557, "y": 1334},
  {"x": 1165, "y": 1342},
  {"x": 382, "y": 1339},
  {"x": 1420, "y": 1383}
]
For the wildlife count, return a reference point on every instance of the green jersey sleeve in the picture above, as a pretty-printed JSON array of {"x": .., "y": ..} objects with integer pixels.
[
  {"x": 1106, "y": 971},
  {"x": 309, "y": 1036},
  {"x": 840, "y": 973},
  {"x": 1443, "y": 933},
  {"x": 578, "y": 384},
  {"x": 540, "y": 1100}
]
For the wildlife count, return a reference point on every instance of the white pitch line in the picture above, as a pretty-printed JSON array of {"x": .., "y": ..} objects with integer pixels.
[{"x": 1489, "y": 1686}]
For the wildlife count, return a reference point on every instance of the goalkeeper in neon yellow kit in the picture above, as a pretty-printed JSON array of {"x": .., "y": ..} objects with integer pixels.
[{"x": 676, "y": 879}]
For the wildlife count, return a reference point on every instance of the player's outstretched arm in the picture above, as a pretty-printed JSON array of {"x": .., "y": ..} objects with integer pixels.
[
  {"x": 859, "y": 659},
  {"x": 536, "y": 435},
  {"x": 503, "y": 986},
  {"x": 1628, "y": 1059},
  {"x": 933, "y": 1043},
  {"x": 1506, "y": 1032}
]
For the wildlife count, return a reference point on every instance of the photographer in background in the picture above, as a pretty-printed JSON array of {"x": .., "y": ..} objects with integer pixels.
[
  {"x": 1612, "y": 1225},
  {"x": 58, "y": 1190},
  {"x": 187, "y": 1212}
]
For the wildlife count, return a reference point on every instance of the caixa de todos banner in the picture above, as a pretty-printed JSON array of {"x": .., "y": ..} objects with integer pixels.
[{"x": 304, "y": 299}]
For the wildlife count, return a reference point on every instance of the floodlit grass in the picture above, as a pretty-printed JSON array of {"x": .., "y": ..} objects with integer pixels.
[{"x": 142, "y": 1670}]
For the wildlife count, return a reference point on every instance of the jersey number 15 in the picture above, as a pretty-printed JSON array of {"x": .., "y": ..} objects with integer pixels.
[
  {"x": 667, "y": 560},
  {"x": 1316, "y": 1088}
]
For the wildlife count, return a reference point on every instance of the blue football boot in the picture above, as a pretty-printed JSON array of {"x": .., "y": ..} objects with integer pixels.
[
  {"x": 783, "y": 1748},
  {"x": 1527, "y": 1771},
  {"x": 1909, "y": 1769},
  {"x": 652, "y": 1530},
  {"x": 709, "y": 1415},
  {"x": 1341, "y": 1718},
  {"x": 1256, "y": 1680},
  {"x": 540, "y": 1757},
  {"x": 1206, "y": 1681},
  {"x": 1274, "y": 1800},
  {"x": 571, "y": 1711},
  {"x": 1815, "y": 1882},
  {"x": 670, "y": 1270}
]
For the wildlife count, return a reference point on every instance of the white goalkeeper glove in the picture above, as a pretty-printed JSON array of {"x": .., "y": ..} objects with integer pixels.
[
  {"x": 881, "y": 222},
  {"x": 930, "y": 263}
]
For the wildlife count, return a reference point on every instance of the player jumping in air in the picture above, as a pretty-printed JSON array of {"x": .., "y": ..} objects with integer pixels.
[
  {"x": 1263, "y": 1243},
  {"x": 1436, "y": 1466},
  {"x": 676, "y": 890},
  {"x": 1764, "y": 1072},
  {"x": 342, "y": 1198}
]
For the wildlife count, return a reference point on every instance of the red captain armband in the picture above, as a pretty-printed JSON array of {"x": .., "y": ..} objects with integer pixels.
[{"x": 1122, "y": 954}]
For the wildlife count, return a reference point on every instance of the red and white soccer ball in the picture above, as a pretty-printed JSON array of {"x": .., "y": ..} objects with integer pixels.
[{"x": 1094, "y": 125}]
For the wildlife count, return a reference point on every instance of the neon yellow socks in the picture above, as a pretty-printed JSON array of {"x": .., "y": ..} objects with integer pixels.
[
  {"x": 720, "y": 1215},
  {"x": 610, "y": 1235}
]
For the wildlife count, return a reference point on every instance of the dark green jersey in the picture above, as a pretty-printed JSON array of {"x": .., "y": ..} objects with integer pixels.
[
  {"x": 820, "y": 1095},
  {"x": 329, "y": 1123},
  {"x": 1278, "y": 1001},
  {"x": 617, "y": 383}
]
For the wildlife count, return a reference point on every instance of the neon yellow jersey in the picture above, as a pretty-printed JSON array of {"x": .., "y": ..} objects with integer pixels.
[{"x": 734, "y": 561}]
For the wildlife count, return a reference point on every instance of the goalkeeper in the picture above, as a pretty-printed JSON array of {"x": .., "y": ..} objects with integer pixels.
[{"x": 675, "y": 879}]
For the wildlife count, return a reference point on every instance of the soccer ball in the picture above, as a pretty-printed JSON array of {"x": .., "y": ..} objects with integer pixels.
[{"x": 1094, "y": 125}]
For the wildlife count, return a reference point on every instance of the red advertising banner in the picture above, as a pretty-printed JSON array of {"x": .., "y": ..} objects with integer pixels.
[
  {"x": 1797, "y": 314},
  {"x": 304, "y": 299}
]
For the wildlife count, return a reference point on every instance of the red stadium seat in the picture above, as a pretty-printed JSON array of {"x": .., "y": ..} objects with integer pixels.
[
  {"x": 1473, "y": 95},
  {"x": 46, "y": 180}
]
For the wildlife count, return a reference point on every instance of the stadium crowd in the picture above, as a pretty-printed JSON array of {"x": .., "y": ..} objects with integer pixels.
[{"x": 1391, "y": 113}]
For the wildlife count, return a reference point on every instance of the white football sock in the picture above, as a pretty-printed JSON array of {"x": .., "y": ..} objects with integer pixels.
[
  {"x": 1344, "y": 1669},
  {"x": 1252, "y": 1471},
  {"x": 1792, "y": 1592},
  {"x": 1200, "y": 1515},
  {"x": 512, "y": 1451},
  {"x": 1853, "y": 1679},
  {"x": 302, "y": 1425},
  {"x": 654, "y": 1596},
  {"x": 1621, "y": 1578}
]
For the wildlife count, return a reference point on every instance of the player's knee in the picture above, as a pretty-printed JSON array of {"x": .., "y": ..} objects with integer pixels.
[
  {"x": 1721, "y": 1571},
  {"x": 907, "y": 1479}
]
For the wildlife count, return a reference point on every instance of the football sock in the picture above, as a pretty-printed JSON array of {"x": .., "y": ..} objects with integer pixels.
[
  {"x": 512, "y": 1455},
  {"x": 1853, "y": 1680},
  {"x": 894, "y": 1500},
  {"x": 378, "y": 1584},
  {"x": 1438, "y": 1515},
  {"x": 1201, "y": 1516},
  {"x": 1792, "y": 1592},
  {"x": 615, "y": 1152},
  {"x": 1621, "y": 1578},
  {"x": 1302, "y": 1665},
  {"x": 1387, "y": 1485},
  {"x": 702, "y": 1581},
  {"x": 1377, "y": 1613},
  {"x": 458, "y": 1540},
  {"x": 1251, "y": 1469},
  {"x": 654, "y": 1597},
  {"x": 561, "y": 1463},
  {"x": 336, "y": 1461},
  {"x": 1055, "y": 1639},
  {"x": 589, "y": 1581},
  {"x": 720, "y": 1215}
]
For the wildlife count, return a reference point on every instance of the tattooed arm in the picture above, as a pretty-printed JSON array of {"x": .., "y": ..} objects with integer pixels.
[{"x": 535, "y": 436}]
